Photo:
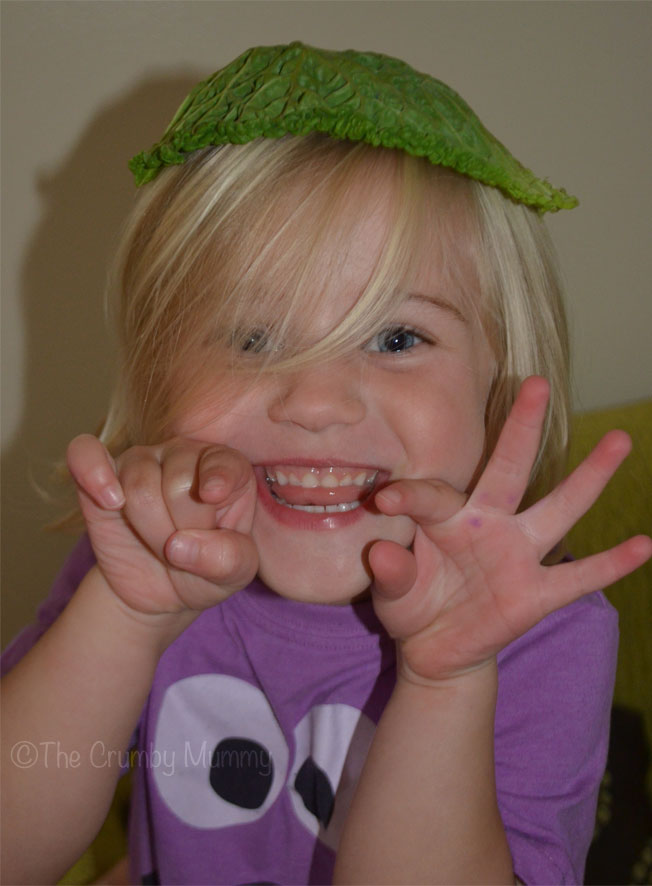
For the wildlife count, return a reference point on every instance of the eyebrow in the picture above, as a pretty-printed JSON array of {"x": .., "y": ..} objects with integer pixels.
[{"x": 438, "y": 302}]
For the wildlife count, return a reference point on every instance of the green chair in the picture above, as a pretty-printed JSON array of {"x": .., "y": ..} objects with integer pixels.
[{"x": 622, "y": 848}]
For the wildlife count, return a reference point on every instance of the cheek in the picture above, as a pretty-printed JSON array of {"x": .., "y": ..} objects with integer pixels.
[
  {"x": 454, "y": 446},
  {"x": 442, "y": 426},
  {"x": 224, "y": 414}
]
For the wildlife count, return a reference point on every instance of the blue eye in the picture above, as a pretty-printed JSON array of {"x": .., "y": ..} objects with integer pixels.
[{"x": 394, "y": 340}]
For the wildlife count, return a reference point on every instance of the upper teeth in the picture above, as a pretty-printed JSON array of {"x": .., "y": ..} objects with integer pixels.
[{"x": 327, "y": 478}]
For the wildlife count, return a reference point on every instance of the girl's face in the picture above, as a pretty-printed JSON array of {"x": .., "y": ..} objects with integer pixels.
[{"x": 409, "y": 403}]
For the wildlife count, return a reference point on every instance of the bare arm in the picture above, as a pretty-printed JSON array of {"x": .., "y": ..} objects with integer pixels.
[
  {"x": 425, "y": 810},
  {"x": 69, "y": 709},
  {"x": 70, "y": 706}
]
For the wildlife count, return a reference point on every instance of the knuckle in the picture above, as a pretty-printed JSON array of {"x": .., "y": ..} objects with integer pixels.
[
  {"x": 141, "y": 483},
  {"x": 179, "y": 470},
  {"x": 566, "y": 501},
  {"x": 506, "y": 464},
  {"x": 179, "y": 484},
  {"x": 178, "y": 480},
  {"x": 141, "y": 496}
]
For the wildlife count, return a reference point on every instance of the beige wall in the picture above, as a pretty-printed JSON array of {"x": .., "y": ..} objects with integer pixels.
[{"x": 87, "y": 84}]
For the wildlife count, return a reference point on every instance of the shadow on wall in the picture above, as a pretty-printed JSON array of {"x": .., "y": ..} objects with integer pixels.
[{"x": 68, "y": 349}]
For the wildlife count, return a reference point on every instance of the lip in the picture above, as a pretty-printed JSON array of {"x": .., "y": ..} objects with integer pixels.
[{"x": 298, "y": 519}]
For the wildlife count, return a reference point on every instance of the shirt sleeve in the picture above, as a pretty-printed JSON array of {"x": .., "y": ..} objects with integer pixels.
[
  {"x": 80, "y": 560},
  {"x": 551, "y": 737}
]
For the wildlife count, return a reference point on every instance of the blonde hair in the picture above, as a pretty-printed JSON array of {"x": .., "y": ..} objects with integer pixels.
[
  {"x": 525, "y": 324},
  {"x": 239, "y": 232}
]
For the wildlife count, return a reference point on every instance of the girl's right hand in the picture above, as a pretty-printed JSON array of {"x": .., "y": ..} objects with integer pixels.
[{"x": 170, "y": 525}]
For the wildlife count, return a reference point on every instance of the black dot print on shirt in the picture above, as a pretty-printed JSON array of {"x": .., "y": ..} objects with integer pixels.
[
  {"x": 241, "y": 772},
  {"x": 315, "y": 790}
]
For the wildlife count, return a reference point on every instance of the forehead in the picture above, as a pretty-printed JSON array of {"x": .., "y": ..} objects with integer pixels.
[{"x": 387, "y": 215}]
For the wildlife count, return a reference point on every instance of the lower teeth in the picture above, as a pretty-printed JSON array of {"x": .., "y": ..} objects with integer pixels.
[{"x": 322, "y": 509}]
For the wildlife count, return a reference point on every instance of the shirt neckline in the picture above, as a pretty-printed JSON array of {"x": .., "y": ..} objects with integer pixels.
[{"x": 292, "y": 618}]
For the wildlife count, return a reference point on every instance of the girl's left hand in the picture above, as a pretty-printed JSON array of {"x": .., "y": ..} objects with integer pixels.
[{"x": 472, "y": 581}]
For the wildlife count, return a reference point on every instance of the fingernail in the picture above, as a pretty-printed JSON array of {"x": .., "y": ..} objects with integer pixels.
[
  {"x": 112, "y": 497},
  {"x": 182, "y": 549},
  {"x": 391, "y": 496}
]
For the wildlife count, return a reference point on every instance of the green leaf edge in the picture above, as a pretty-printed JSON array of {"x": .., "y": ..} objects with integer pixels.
[{"x": 179, "y": 140}]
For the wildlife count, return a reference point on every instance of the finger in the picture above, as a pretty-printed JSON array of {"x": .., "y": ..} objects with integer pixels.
[
  {"x": 221, "y": 556},
  {"x": 93, "y": 470},
  {"x": 140, "y": 474},
  {"x": 505, "y": 478},
  {"x": 550, "y": 519},
  {"x": 568, "y": 581},
  {"x": 424, "y": 501},
  {"x": 226, "y": 480},
  {"x": 179, "y": 484},
  {"x": 394, "y": 569}
]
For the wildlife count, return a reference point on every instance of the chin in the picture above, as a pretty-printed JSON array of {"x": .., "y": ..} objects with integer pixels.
[
  {"x": 327, "y": 567},
  {"x": 318, "y": 584}
]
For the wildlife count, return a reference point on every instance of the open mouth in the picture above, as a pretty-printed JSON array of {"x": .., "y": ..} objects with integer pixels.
[{"x": 320, "y": 490}]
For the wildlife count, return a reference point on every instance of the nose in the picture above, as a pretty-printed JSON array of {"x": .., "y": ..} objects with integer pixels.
[{"x": 318, "y": 397}]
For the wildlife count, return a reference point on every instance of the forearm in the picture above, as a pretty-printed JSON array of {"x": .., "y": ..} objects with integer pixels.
[
  {"x": 425, "y": 810},
  {"x": 69, "y": 709}
]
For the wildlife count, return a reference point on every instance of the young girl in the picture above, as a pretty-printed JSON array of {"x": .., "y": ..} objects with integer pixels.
[{"x": 311, "y": 593}]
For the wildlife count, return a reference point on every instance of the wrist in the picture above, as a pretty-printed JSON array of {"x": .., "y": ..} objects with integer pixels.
[
  {"x": 483, "y": 676},
  {"x": 153, "y": 631}
]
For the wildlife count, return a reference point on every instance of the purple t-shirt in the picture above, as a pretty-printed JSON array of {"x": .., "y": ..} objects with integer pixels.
[{"x": 261, "y": 713}]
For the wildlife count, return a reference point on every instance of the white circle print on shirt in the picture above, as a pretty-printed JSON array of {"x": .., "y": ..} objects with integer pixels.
[
  {"x": 332, "y": 742},
  {"x": 227, "y": 758}
]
